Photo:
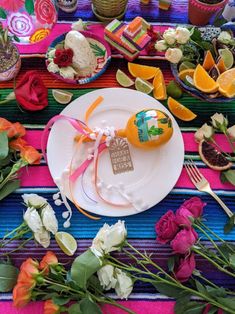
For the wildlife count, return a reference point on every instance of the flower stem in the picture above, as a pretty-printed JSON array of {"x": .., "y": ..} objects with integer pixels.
[
  {"x": 221, "y": 150},
  {"x": 13, "y": 231},
  {"x": 16, "y": 237},
  {"x": 100, "y": 300},
  {"x": 18, "y": 248}
]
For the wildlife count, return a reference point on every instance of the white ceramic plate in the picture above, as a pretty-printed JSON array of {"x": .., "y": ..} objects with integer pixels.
[{"x": 155, "y": 172}]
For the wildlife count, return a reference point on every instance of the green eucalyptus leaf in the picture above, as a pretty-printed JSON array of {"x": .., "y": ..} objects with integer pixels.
[
  {"x": 216, "y": 292},
  {"x": 229, "y": 225},
  {"x": 8, "y": 188},
  {"x": 74, "y": 309},
  {"x": 59, "y": 300},
  {"x": 83, "y": 267},
  {"x": 87, "y": 307},
  {"x": 200, "y": 287},
  {"x": 167, "y": 290},
  {"x": 228, "y": 176},
  {"x": 8, "y": 277},
  {"x": 3, "y": 14},
  {"x": 29, "y": 6},
  {"x": 4, "y": 147}
]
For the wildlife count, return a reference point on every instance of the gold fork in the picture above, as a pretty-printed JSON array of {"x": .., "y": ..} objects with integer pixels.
[{"x": 203, "y": 185}]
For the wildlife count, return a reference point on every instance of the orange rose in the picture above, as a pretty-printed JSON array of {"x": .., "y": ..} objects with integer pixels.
[
  {"x": 30, "y": 266},
  {"x": 18, "y": 144},
  {"x": 16, "y": 130},
  {"x": 51, "y": 308},
  {"x": 30, "y": 155},
  {"x": 21, "y": 295},
  {"x": 26, "y": 279},
  {"x": 4, "y": 124},
  {"x": 49, "y": 259}
]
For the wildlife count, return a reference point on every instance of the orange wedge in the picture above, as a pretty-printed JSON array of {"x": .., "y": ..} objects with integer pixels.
[
  {"x": 221, "y": 65},
  {"x": 226, "y": 83},
  {"x": 203, "y": 81},
  {"x": 209, "y": 61},
  {"x": 159, "y": 91},
  {"x": 179, "y": 110},
  {"x": 186, "y": 72},
  {"x": 142, "y": 71}
]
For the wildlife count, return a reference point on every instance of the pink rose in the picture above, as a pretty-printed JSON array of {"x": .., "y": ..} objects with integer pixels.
[
  {"x": 195, "y": 206},
  {"x": 182, "y": 219},
  {"x": 166, "y": 228},
  {"x": 184, "y": 240},
  {"x": 185, "y": 268}
]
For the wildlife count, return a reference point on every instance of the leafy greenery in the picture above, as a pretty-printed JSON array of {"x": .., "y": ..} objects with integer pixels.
[
  {"x": 87, "y": 307},
  {"x": 8, "y": 188},
  {"x": 229, "y": 225},
  {"x": 3, "y": 14},
  {"x": 228, "y": 176},
  {"x": 98, "y": 51},
  {"x": 8, "y": 277},
  {"x": 4, "y": 147},
  {"x": 29, "y": 6}
]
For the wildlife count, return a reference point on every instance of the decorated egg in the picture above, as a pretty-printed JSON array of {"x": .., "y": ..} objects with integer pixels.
[{"x": 148, "y": 129}]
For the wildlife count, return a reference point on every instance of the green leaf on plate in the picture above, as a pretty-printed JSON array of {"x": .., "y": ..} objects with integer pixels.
[
  {"x": 3, "y": 14},
  {"x": 228, "y": 176},
  {"x": 4, "y": 148},
  {"x": 87, "y": 307},
  {"x": 8, "y": 188},
  {"x": 29, "y": 6},
  {"x": 8, "y": 277},
  {"x": 229, "y": 225}
]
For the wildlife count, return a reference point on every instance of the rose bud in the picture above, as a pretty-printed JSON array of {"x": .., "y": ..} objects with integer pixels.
[
  {"x": 48, "y": 260},
  {"x": 166, "y": 228},
  {"x": 184, "y": 240},
  {"x": 185, "y": 268},
  {"x": 51, "y": 308},
  {"x": 195, "y": 206}
]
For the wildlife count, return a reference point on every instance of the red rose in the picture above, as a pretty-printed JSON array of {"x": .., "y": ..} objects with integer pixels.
[
  {"x": 195, "y": 206},
  {"x": 185, "y": 268},
  {"x": 184, "y": 240},
  {"x": 45, "y": 11},
  {"x": 31, "y": 92},
  {"x": 182, "y": 219},
  {"x": 63, "y": 57},
  {"x": 166, "y": 228}
]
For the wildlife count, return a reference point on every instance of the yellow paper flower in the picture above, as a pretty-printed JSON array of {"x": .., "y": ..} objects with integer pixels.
[{"x": 40, "y": 34}]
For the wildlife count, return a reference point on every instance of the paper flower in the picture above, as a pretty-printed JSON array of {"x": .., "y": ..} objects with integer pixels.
[
  {"x": 45, "y": 11},
  {"x": 40, "y": 34},
  {"x": 11, "y": 6},
  {"x": 20, "y": 24}
]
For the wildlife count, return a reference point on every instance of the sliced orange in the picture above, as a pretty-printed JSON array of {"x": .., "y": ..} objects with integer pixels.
[
  {"x": 144, "y": 72},
  {"x": 203, "y": 81},
  {"x": 226, "y": 83},
  {"x": 179, "y": 110},
  {"x": 186, "y": 72},
  {"x": 209, "y": 61},
  {"x": 159, "y": 91},
  {"x": 221, "y": 65}
]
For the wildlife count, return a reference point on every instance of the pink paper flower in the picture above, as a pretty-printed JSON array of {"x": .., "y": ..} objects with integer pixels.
[
  {"x": 166, "y": 228},
  {"x": 185, "y": 268},
  {"x": 11, "y": 6},
  {"x": 184, "y": 240},
  {"x": 195, "y": 206},
  {"x": 20, "y": 24},
  {"x": 45, "y": 11}
]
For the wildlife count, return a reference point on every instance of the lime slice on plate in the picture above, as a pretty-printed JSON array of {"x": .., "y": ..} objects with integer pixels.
[
  {"x": 66, "y": 242},
  {"x": 189, "y": 81},
  {"x": 227, "y": 56},
  {"x": 123, "y": 79},
  {"x": 186, "y": 65},
  {"x": 61, "y": 96},
  {"x": 143, "y": 86}
]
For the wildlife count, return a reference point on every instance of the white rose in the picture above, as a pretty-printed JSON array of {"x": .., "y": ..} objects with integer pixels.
[
  {"x": 67, "y": 72},
  {"x": 49, "y": 219},
  {"x": 182, "y": 35},
  {"x": 161, "y": 45},
  {"x": 43, "y": 237},
  {"x": 124, "y": 284},
  {"x": 106, "y": 277},
  {"x": 34, "y": 200},
  {"x": 33, "y": 219},
  {"x": 219, "y": 121},
  {"x": 173, "y": 55},
  {"x": 224, "y": 37},
  {"x": 169, "y": 36},
  {"x": 52, "y": 67},
  {"x": 206, "y": 131},
  {"x": 109, "y": 238},
  {"x": 51, "y": 54},
  {"x": 78, "y": 26},
  {"x": 231, "y": 132}
]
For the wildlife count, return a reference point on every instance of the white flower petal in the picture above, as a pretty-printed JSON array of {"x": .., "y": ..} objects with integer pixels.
[
  {"x": 49, "y": 219},
  {"x": 106, "y": 277},
  {"x": 124, "y": 284},
  {"x": 34, "y": 200},
  {"x": 33, "y": 219},
  {"x": 43, "y": 237}
]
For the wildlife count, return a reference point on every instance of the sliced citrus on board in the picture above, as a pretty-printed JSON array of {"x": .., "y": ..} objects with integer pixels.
[
  {"x": 179, "y": 110},
  {"x": 212, "y": 157},
  {"x": 209, "y": 61},
  {"x": 143, "y": 86},
  {"x": 226, "y": 83},
  {"x": 186, "y": 72},
  {"x": 61, "y": 96},
  {"x": 159, "y": 91},
  {"x": 203, "y": 81},
  {"x": 123, "y": 79},
  {"x": 142, "y": 71},
  {"x": 227, "y": 56},
  {"x": 221, "y": 65},
  {"x": 66, "y": 242}
]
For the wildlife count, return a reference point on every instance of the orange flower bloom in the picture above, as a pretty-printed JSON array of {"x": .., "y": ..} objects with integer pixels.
[
  {"x": 21, "y": 295},
  {"x": 18, "y": 144},
  {"x": 16, "y": 130},
  {"x": 5, "y": 124},
  {"x": 49, "y": 259},
  {"x": 26, "y": 279},
  {"x": 30, "y": 266},
  {"x": 51, "y": 308},
  {"x": 30, "y": 155}
]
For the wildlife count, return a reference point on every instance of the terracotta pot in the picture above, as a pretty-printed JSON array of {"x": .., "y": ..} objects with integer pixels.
[
  {"x": 10, "y": 63},
  {"x": 199, "y": 13}
]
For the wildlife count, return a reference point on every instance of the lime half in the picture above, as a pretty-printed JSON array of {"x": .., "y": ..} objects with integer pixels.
[
  {"x": 189, "y": 81},
  {"x": 186, "y": 65},
  {"x": 143, "y": 86},
  {"x": 61, "y": 96},
  {"x": 123, "y": 79},
  {"x": 227, "y": 56},
  {"x": 66, "y": 242}
]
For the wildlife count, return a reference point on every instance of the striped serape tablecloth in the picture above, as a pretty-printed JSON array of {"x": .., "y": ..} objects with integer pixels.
[{"x": 141, "y": 231}]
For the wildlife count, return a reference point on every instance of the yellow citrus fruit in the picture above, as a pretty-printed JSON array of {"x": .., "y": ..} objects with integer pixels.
[
  {"x": 159, "y": 91},
  {"x": 61, "y": 96},
  {"x": 209, "y": 61},
  {"x": 66, "y": 242},
  {"x": 226, "y": 83},
  {"x": 143, "y": 86},
  {"x": 179, "y": 110},
  {"x": 221, "y": 65},
  {"x": 203, "y": 81},
  {"x": 142, "y": 71},
  {"x": 186, "y": 72}
]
